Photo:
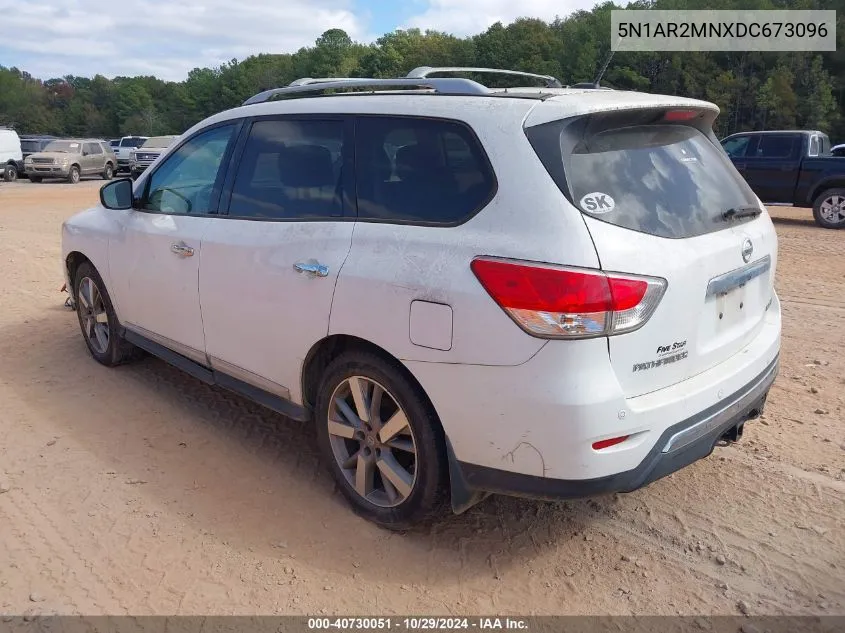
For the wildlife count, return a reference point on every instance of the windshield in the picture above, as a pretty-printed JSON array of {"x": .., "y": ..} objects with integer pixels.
[
  {"x": 159, "y": 141},
  {"x": 30, "y": 146},
  {"x": 132, "y": 142},
  {"x": 68, "y": 147},
  {"x": 664, "y": 180}
]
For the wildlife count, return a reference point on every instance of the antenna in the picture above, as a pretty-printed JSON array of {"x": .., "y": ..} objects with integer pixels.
[{"x": 604, "y": 67}]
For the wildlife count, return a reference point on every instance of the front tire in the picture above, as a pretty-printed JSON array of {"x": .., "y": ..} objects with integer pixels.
[
  {"x": 829, "y": 209},
  {"x": 73, "y": 175},
  {"x": 108, "y": 172},
  {"x": 382, "y": 442},
  {"x": 10, "y": 174},
  {"x": 97, "y": 319}
]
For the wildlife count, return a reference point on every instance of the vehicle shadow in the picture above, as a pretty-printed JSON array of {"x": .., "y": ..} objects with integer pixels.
[
  {"x": 253, "y": 477},
  {"x": 808, "y": 222}
]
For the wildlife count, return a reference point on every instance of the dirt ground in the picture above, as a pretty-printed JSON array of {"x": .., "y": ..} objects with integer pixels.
[{"x": 142, "y": 491}]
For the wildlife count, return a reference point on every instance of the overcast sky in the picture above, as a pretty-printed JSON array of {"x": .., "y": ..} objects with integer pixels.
[{"x": 167, "y": 38}]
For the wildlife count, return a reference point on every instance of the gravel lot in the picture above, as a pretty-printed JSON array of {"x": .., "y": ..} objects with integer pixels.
[{"x": 140, "y": 490}]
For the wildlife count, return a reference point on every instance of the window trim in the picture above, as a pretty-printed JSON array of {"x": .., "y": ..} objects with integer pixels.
[
  {"x": 494, "y": 189},
  {"x": 349, "y": 208},
  {"x": 217, "y": 187}
]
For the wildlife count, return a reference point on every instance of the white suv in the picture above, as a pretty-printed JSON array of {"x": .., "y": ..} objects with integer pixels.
[{"x": 546, "y": 292}]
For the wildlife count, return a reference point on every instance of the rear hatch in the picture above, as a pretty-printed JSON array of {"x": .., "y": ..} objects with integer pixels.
[{"x": 661, "y": 199}]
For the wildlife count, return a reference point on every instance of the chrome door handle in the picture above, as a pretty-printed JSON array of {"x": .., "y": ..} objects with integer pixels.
[
  {"x": 182, "y": 249},
  {"x": 318, "y": 270}
]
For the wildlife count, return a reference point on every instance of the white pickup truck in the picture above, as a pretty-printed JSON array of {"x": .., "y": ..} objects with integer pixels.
[{"x": 124, "y": 150}]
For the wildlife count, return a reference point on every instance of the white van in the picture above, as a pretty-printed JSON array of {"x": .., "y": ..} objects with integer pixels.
[{"x": 11, "y": 159}]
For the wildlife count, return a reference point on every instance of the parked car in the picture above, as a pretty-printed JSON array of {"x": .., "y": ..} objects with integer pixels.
[
  {"x": 71, "y": 159},
  {"x": 123, "y": 151},
  {"x": 31, "y": 144},
  {"x": 838, "y": 150},
  {"x": 486, "y": 311},
  {"x": 146, "y": 155},
  {"x": 792, "y": 167},
  {"x": 10, "y": 154}
]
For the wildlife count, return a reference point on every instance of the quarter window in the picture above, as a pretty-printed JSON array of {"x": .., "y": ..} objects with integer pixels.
[
  {"x": 185, "y": 182},
  {"x": 290, "y": 169},
  {"x": 420, "y": 170},
  {"x": 93, "y": 148}
]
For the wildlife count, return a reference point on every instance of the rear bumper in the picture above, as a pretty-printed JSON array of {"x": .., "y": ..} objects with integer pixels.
[
  {"x": 680, "y": 445},
  {"x": 529, "y": 429}
]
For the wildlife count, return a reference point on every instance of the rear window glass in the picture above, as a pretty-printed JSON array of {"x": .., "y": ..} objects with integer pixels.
[
  {"x": 426, "y": 171},
  {"x": 30, "y": 146},
  {"x": 664, "y": 180}
]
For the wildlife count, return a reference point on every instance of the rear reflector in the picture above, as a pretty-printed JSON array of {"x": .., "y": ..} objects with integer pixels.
[
  {"x": 597, "y": 446},
  {"x": 563, "y": 302}
]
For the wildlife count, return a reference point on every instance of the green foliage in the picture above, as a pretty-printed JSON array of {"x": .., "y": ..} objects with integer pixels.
[{"x": 753, "y": 90}]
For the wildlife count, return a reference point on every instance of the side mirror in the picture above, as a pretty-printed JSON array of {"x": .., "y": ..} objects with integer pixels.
[{"x": 117, "y": 194}]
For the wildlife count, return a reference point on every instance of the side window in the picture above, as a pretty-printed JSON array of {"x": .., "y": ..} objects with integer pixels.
[
  {"x": 814, "y": 145},
  {"x": 775, "y": 146},
  {"x": 290, "y": 168},
  {"x": 736, "y": 147},
  {"x": 420, "y": 170},
  {"x": 92, "y": 148},
  {"x": 184, "y": 183}
]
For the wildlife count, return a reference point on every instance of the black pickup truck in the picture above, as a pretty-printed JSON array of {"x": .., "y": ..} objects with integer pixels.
[{"x": 792, "y": 167}]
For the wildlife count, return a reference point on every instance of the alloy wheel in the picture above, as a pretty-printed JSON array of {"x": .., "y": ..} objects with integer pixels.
[
  {"x": 372, "y": 441},
  {"x": 93, "y": 315},
  {"x": 832, "y": 209}
]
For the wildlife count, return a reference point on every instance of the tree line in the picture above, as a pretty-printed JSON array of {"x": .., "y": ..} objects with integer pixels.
[{"x": 753, "y": 90}]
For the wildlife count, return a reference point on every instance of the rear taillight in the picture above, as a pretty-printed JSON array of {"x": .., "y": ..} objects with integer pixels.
[{"x": 562, "y": 302}]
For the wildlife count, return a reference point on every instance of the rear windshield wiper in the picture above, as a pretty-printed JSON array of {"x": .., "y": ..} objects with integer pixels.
[{"x": 741, "y": 212}]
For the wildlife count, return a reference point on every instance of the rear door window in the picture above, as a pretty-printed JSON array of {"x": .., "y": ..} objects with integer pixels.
[
  {"x": 426, "y": 171},
  {"x": 290, "y": 169},
  {"x": 665, "y": 180},
  {"x": 776, "y": 146}
]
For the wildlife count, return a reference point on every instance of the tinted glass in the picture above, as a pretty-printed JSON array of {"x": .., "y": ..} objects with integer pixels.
[
  {"x": 776, "y": 146},
  {"x": 736, "y": 147},
  {"x": 290, "y": 169},
  {"x": 184, "y": 183},
  {"x": 93, "y": 148},
  {"x": 133, "y": 141},
  {"x": 30, "y": 146},
  {"x": 420, "y": 170},
  {"x": 665, "y": 180},
  {"x": 115, "y": 142}
]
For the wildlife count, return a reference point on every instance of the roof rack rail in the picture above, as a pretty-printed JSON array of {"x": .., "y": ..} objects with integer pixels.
[
  {"x": 424, "y": 71},
  {"x": 307, "y": 81},
  {"x": 451, "y": 85}
]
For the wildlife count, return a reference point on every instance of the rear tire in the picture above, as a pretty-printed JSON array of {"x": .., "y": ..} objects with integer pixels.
[
  {"x": 108, "y": 172},
  {"x": 400, "y": 441},
  {"x": 829, "y": 209},
  {"x": 10, "y": 174},
  {"x": 97, "y": 319}
]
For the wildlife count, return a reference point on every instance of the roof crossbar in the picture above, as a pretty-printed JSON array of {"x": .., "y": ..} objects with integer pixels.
[
  {"x": 441, "y": 85},
  {"x": 424, "y": 71}
]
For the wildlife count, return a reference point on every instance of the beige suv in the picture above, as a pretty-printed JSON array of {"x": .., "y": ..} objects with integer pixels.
[{"x": 71, "y": 159}]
